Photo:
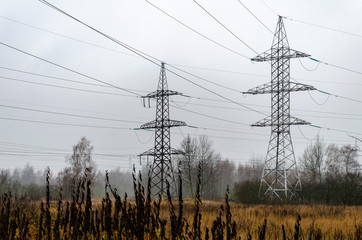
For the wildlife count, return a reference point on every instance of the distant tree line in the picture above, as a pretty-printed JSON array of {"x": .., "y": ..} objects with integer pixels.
[
  {"x": 329, "y": 174},
  {"x": 26, "y": 183}
]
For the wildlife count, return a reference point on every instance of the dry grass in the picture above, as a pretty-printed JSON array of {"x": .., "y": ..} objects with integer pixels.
[
  {"x": 119, "y": 218},
  {"x": 332, "y": 221}
]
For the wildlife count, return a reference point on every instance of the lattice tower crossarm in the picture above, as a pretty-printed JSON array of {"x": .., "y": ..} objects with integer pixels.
[
  {"x": 162, "y": 171},
  {"x": 280, "y": 176}
]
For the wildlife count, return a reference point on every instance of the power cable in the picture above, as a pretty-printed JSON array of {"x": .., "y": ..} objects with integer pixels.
[
  {"x": 213, "y": 117},
  {"x": 64, "y": 124},
  {"x": 137, "y": 52},
  {"x": 195, "y": 31},
  {"x": 65, "y": 36},
  {"x": 68, "y": 114},
  {"x": 225, "y": 27},
  {"x": 255, "y": 17},
  {"x": 65, "y": 79},
  {"x": 338, "y": 96},
  {"x": 309, "y": 70},
  {"x": 328, "y": 28},
  {"x": 324, "y": 102},
  {"x": 203, "y": 79},
  {"x": 68, "y": 69},
  {"x": 215, "y": 93},
  {"x": 140, "y": 53},
  {"x": 333, "y": 129},
  {"x": 63, "y": 87},
  {"x": 336, "y": 66},
  {"x": 269, "y": 7}
]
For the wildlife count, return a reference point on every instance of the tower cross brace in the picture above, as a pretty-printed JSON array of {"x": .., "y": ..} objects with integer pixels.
[
  {"x": 280, "y": 176},
  {"x": 162, "y": 171}
]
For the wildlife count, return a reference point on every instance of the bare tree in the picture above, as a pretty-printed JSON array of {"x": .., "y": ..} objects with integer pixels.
[
  {"x": 251, "y": 171},
  {"x": 312, "y": 161},
  {"x": 187, "y": 163},
  {"x": 341, "y": 160},
  {"x": 28, "y": 175},
  {"x": 4, "y": 180},
  {"x": 81, "y": 165},
  {"x": 199, "y": 152}
]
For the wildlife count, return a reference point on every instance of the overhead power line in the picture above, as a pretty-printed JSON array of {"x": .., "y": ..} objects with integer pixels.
[
  {"x": 243, "y": 42},
  {"x": 64, "y": 124},
  {"x": 66, "y": 68},
  {"x": 63, "y": 87},
  {"x": 324, "y": 27},
  {"x": 139, "y": 53},
  {"x": 336, "y": 66},
  {"x": 255, "y": 17},
  {"x": 67, "y": 114},
  {"x": 128, "y": 47},
  {"x": 65, "y": 36},
  {"x": 195, "y": 31},
  {"x": 213, "y": 106},
  {"x": 66, "y": 79}
]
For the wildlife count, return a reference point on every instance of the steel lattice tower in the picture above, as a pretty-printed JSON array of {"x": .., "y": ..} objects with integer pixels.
[
  {"x": 280, "y": 174},
  {"x": 161, "y": 170}
]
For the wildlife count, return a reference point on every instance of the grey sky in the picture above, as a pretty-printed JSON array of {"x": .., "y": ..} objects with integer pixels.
[{"x": 143, "y": 27}]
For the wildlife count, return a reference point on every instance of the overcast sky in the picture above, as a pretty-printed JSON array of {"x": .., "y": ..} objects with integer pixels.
[{"x": 31, "y": 105}]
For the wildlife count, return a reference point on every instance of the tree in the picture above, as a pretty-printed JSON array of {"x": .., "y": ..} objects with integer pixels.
[
  {"x": 341, "y": 160},
  {"x": 246, "y": 189},
  {"x": 187, "y": 163},
  {"x": 27, "y": 175},
  {"x": 81, "y": 166},
  {"x": 312, "y": 161},
  {"x": 4, "y": 180},
  {"x": 198, "y": 152}
]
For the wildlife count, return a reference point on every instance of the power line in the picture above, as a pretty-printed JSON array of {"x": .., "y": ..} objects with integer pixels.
[
  {"x": 53, "y": 77},
  {"x": 68, "y": 88},
  {"x": 269, "y": 7},
  {"x": 64, "y": 124},
  {"x": 203, "y": 79},
  {"x": 136, "y": 51},
  {"x": 108, "y": 93},
  {"x": 64, "y": 108},
  {"x": 209, "y": 116},
  {"x": 324, "y": 27},
  {"x": 132, "y": 129},
  {"x": 255, "y": 17},
  {"x": 336, "y": 66},
  {"x": 119, "y": 120},
  {"x": 68, "y": 69},
  {"x": 338, "y": 96},
  {"x": 195, "y": 31},
  {"x": 225, "y": 27},
  {"x": 123, "y": 45},
  {"x": 65, "y": 36},
  {"x": 215, "y": 93},
  {"x": 67, "y": 114}
]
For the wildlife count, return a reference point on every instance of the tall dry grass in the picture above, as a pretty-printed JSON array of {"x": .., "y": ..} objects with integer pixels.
[{"x": 116, "y": 217}]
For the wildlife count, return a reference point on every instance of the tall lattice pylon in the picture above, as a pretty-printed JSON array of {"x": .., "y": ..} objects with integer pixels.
[
  {"x": 280, "y": 174},
  {"x": 162, "y": 171}
]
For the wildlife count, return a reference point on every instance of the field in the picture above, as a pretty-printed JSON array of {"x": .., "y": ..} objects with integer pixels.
[
  {"x": 30, "y": 220},
  {"x": 115, "y": 217},
  {"x": 317, "y": 221}
]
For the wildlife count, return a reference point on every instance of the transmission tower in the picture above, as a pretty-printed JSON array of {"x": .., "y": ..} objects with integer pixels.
[
  {"x": 280, "y": 174},
  {"x": 161, "y": 171}
]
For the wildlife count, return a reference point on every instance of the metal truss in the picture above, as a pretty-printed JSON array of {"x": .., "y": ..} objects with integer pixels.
[
  {"x": 162, "y": 171},
  {"x": 280, "y": 177}
]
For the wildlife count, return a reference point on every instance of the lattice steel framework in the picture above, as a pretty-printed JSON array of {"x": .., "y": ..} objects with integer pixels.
[
  {"x": 280, "y": 174},
  {"x": 162, "y": 170}
]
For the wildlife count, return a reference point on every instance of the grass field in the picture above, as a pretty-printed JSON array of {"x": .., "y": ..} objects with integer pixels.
[{"x": 140, "y": 218}]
